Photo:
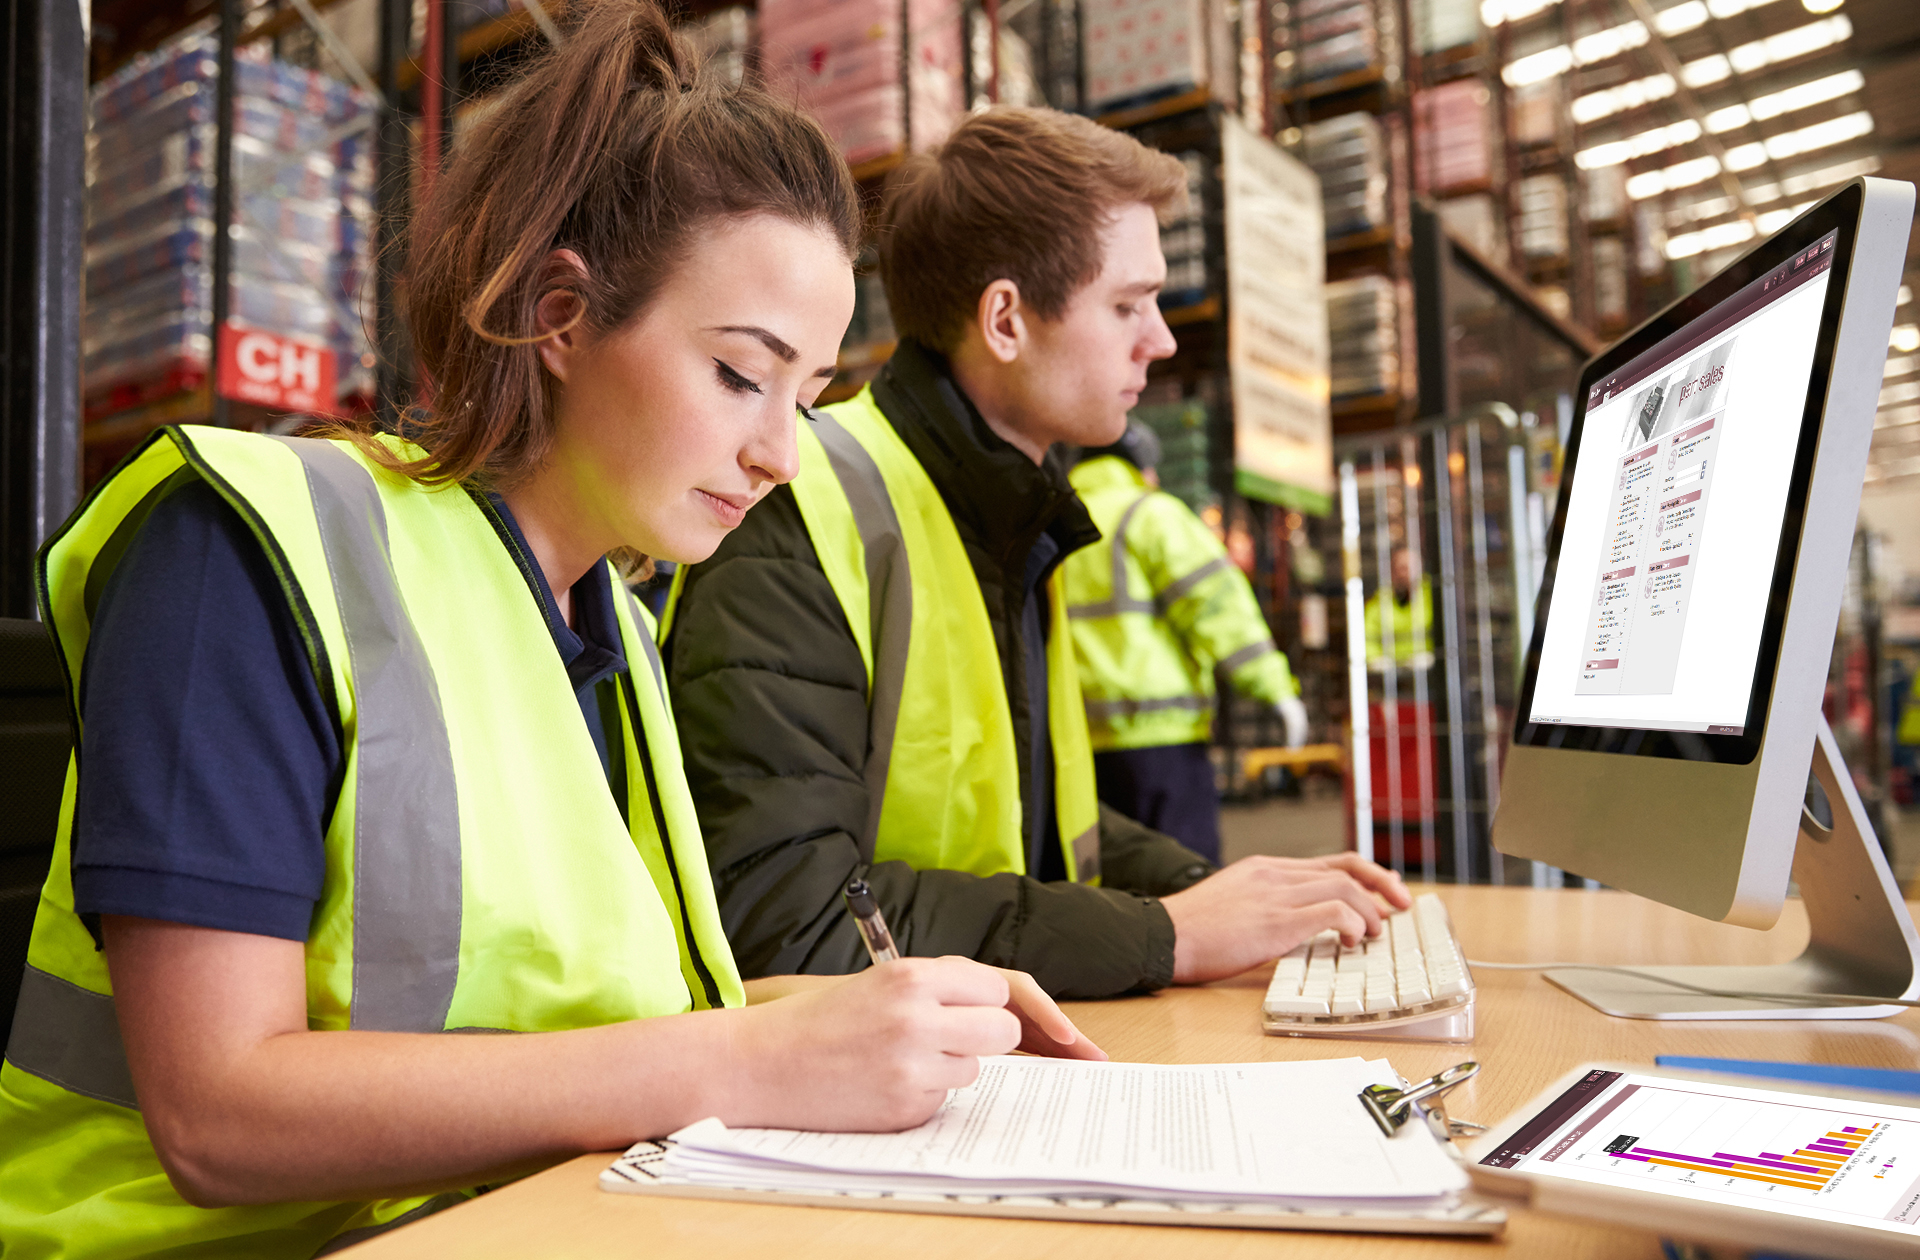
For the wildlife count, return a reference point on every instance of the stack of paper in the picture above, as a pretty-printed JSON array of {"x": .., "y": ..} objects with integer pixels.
[{"x": 1285, "y": 1134}]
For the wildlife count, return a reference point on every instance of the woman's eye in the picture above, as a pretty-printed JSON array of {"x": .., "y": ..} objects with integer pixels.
[{"x": 734, "y": 381}]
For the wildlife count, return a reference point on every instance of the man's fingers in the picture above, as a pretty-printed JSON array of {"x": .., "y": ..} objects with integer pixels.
[
  {"x": 1338, "y": 916},
  {"x": 1374, "y": 876}
]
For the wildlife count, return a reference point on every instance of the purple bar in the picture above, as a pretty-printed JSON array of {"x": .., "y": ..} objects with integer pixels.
[
  {"x": 1834, "y": 1147},
  {"x": 1692, "y": 1159},
  {"x": 1772, "y": 1163},
  {"x": 1847, "y": 1128},
  {"x": 1630, "y": 1155},
  {"x": 1770, "y": 1155}
]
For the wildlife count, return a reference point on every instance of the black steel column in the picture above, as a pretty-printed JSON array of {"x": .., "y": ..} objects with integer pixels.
[
  {"x": 45, "y": 54},
  {"x": 1432, "y": 325},
  {"x": 223, "y": 208},
  {"x": 391, "y": 164}
]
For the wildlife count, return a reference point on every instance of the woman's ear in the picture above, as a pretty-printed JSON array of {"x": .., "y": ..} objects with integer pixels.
[{"x": 559, "y": 311}]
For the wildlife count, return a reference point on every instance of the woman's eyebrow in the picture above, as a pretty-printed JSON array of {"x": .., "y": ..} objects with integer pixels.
[{"x": 786, "y": 352}]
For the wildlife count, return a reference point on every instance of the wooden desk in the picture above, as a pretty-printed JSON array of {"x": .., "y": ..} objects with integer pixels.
[{"x": 1528, "y": 1033}]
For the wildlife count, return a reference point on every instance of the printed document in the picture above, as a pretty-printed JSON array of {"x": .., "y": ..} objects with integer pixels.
[{"x": 1032, "y": 1126}]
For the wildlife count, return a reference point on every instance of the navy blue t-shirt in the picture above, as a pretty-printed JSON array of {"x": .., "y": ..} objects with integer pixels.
[{"x": 210, "y": 764}]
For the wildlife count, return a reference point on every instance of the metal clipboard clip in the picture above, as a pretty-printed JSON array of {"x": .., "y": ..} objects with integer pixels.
[{"x": 1391, "y": 1108}]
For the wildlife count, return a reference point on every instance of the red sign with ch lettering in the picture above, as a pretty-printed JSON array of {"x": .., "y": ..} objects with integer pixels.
[{"x": 283, "y": 373}]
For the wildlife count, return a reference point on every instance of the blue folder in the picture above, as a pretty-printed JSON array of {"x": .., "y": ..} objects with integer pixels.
[{"x": 1884, "y": 1079}]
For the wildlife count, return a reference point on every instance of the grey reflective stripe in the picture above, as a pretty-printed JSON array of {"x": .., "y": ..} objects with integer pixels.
[
  {"x": 1181, "y": 586},
  {"x": 653, "y": 652},
  {"x": 1109, "y": 709},
  {"x": 70, "y": 1036},
  {"x": 438, "y": 1203},
  {"x": 1119, "y": 600},
  {"x": 889, "y": 604},
  {"x": 406, "y": 813},
  {"x": 1251, "y": 652},
  {"x": 1086, "y": 855}
]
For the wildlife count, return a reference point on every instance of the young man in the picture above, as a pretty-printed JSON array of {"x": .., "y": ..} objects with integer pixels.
[
  {"x": 872, "y": 676},
  {"x": 1156, "y": 607}
]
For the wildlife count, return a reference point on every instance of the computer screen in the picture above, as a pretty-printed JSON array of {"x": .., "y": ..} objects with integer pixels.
[{"x": 1667, "y": 556}]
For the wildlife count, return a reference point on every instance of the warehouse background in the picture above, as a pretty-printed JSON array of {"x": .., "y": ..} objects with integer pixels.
[{"x": 1500, "y": 187}]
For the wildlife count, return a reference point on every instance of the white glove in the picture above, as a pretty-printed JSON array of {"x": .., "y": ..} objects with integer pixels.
[{"x": 1294, "y": 714}]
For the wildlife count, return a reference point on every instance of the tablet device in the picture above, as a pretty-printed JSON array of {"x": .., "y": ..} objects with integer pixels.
[{"x": 1802, "y": 1170}]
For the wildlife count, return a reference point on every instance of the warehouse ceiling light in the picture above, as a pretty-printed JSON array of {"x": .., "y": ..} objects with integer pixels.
[
  {"x": 1774, "y": 220},
  {"x": 1719, "y": 236},
  {"x": 1495, "y": 12},
  {"x": 1805, "y": 140},
  {"x": 1679, "y": 175},
  {"x": 1905, "y": 338},
  {"x": 1785, "y": 101},
  {"x": 1821, "y": 6},
  {"x": 1616, "y": 100},
  {"x": 1552, "y": 62},
  {"x": 1672, "y": 136},
  {"x": 1905, "y": 365},
  {"x": 1811, "y": 181}
]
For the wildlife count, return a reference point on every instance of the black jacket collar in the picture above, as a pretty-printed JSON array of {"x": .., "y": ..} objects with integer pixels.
[{"x": 996, "y": 494}]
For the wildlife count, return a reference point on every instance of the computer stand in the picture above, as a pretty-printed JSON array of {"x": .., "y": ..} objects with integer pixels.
[{"x": 1862, "y": 939}]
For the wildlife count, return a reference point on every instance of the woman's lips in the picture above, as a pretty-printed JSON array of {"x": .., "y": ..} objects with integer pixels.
[{"x": 731, "y": 511}]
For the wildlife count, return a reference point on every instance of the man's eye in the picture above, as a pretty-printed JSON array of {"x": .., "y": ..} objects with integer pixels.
[{"x": 734, "y": 381}]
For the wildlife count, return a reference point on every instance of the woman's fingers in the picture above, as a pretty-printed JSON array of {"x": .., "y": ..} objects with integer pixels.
[{"x": 1049, "y": 1030}]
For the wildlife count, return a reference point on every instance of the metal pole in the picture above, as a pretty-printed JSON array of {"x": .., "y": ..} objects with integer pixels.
[
  {"x": 1360, "y": 762},
  {"x": 45, "y": 54},
  {"x": 223, "y": 207},
  {"x": 432, "y": 94},
  {"x": 390, "y": 203}
]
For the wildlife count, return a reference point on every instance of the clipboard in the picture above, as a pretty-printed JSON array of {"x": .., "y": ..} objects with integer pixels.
[
  {"x": 647, "y": 1169},
  {"x": 642, "y": 1170}
]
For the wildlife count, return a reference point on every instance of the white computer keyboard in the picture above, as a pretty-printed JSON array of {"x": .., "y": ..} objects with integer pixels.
[{"x": 1409, "y": 983}]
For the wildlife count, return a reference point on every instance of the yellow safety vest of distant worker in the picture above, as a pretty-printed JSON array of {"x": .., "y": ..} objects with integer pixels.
[
  {"x": 1400, "y": 618},
  {"x": 1156, "y": 607}
]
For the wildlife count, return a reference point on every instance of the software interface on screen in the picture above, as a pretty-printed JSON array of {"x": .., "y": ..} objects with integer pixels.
[
  {"x": 1814, "y": 1157},
  {"x": 1678, "y": 496}
]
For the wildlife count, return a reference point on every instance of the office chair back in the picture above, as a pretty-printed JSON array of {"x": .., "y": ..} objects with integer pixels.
[{"x": 36, "y": 737}]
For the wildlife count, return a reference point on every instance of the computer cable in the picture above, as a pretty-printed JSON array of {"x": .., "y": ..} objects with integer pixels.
[{"x": 1820, "y": 999}]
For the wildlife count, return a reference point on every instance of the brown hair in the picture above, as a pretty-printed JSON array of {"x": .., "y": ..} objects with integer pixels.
[
  {"x": 1014, "y": 194},
  {"x": 619, "y": 146}
]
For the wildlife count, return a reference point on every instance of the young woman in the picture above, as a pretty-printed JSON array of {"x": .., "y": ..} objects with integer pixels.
[{"x": 373, "y": 743}]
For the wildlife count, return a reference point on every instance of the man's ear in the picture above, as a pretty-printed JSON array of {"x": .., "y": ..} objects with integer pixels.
[
  {"x": 1002, "y": 320},
  {"x": 561, "y": 307}
]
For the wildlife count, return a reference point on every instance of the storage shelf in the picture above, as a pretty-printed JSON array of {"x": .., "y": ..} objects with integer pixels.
[
  {"x": 1154, "y": 111},
  {"x": 1355, "y": 242},
  {"x": 875, "y": 167},
  {"x": 1207, "y": 308}
]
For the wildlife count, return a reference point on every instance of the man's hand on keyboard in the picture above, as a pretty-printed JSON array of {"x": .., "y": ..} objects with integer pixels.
[{"x": 1260, "y": 907}]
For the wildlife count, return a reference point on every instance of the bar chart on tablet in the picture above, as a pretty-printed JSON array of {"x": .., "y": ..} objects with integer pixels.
[{"x": 1786, "y": 1154}]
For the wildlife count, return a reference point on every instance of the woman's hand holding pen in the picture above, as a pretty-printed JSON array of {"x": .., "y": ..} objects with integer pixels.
[{"x": 874, "y": 1053}]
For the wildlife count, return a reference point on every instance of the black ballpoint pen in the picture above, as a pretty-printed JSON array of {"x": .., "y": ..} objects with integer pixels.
[{"x": 873, "y": 925}]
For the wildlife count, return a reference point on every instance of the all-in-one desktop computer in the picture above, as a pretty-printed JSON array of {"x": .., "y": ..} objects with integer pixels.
[{"x": 1670, "y": 708}]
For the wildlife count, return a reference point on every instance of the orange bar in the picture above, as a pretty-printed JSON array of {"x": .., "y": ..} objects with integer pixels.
[
  {"x": 1778, "y": 1180},
  {"x": 1817, "y": 1157},
  {"x": 1845, "y": 1137}
]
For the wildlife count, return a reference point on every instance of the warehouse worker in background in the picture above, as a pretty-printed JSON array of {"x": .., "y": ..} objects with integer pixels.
[
  {"x": 873, "y": 675},
  {"x": 1404, "y": 609},
  {"x": 1156, "y": 607}
]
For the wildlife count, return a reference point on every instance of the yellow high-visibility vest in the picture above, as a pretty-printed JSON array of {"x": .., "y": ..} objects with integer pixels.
[
  {"x": 480, "y": 876},
  {"x": 1156, "y": 606}
]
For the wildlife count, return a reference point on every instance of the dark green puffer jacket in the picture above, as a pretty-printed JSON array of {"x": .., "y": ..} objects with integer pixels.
[{"x": 770, "y": 695}]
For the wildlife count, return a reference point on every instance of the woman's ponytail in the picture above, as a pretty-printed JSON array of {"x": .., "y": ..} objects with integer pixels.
[{"x": 617, "y": 145}]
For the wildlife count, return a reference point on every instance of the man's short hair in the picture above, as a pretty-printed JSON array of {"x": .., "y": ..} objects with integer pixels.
[{"x": 1013, "y": 194}]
